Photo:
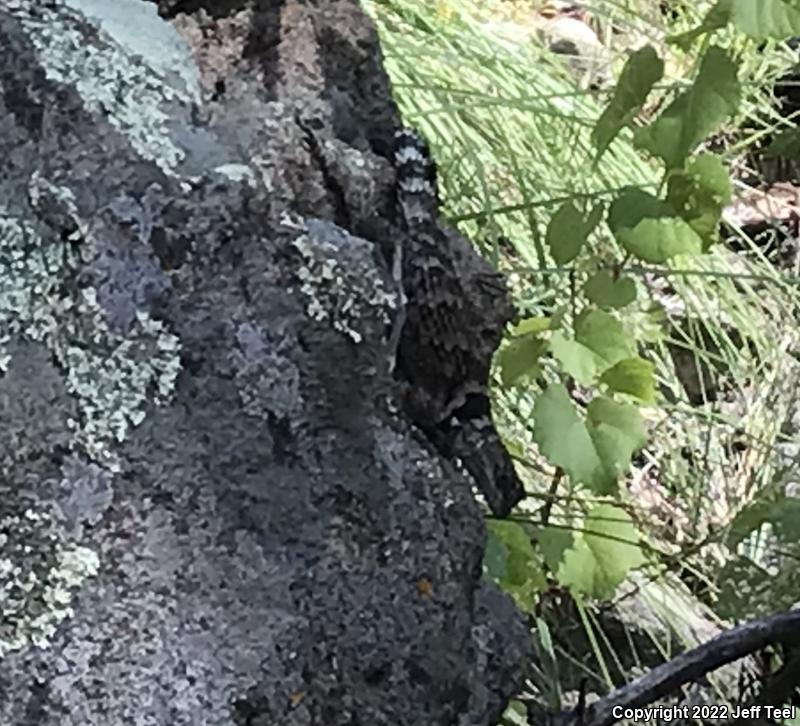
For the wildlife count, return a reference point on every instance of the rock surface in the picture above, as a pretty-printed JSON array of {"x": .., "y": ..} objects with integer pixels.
[{"x": 212, "y": 511}]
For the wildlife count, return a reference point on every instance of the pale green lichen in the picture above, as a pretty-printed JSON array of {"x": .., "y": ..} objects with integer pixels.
[
  {"x": 113, "y": 376},
  {"x": 109, "y": 374},
  {"x": 237, "y": 172},
  {"x": 138, "y": 27},
  {"x": 5, "y": 358},
  {"x": 339, "y": 279},
  {"x": 113, "y": 387},
  {"x": 39, "y": 576},
  {"x": 124, "y": 87}
]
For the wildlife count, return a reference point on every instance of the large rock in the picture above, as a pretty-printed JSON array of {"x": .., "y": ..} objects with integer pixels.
[{"x": 212, "y": 511}]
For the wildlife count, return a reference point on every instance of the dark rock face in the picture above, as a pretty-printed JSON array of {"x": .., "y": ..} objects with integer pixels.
[{"x": 213, "y": 511}]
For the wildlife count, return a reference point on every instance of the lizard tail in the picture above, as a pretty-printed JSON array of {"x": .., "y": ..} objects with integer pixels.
[{"x": 417, "y": 188}]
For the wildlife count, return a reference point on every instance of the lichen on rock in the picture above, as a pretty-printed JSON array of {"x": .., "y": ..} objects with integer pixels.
[
  {"x": 340, "y": 280},
  {"x": 39, "y": 574},
  {"x": 40, "y": 299},
  {"x": 260, "y": 537},
  {"x": 130, "y": 89}
]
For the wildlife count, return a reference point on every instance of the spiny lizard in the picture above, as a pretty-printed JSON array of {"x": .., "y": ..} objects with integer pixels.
[{"x": 456, "y": 308}]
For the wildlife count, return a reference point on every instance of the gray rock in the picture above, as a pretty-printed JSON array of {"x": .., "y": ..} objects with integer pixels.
[{"x": 213, "y": 511}]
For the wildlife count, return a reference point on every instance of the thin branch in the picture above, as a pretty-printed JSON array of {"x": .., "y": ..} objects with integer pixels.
[{"x": 690, "y": 666}]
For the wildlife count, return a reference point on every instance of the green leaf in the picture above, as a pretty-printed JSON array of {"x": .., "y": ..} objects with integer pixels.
[
  {"x": 778, "y": 19},
  {"x": 648, "y": 228},
  {"x": 516, "y": 714},
  {"x": 562, "y": 435},
  {"x": 759, "y": 19},
  {"x": 634, "y": 376},
  {"x": 606, "y": 291},
  {"x": 657, "y": 240},
  {"x": 536, "y": 324},
  {"x": 519, "y": 358},
  {"x": 632, "y": 206},
  {"x": 600, "y": 342},
  {"x": 641, "y": 72},
  {"x": 602, "y": 555},
  {"x": 604, "y": 335},
  {"x": 782, "y": 512},
  {"x": 696, "y": 113},
  {"x": 687, "y": 222},
  {"x": 513, "y": 563},
  {"x": 617, "y": 432},
  {"x": 699, "y": 194},
  {"x": 576, "y": 360},
  {"x": 593, "y": 452},
  {"x": 718, "y": 17},
  {"x": 553, "y": 542},
  {"x": 568, "y": 230},
  {"x": 786, "y": 143}
]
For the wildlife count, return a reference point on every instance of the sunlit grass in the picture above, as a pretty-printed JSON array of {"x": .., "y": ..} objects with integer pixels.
[{"x": 510, "y": 129}]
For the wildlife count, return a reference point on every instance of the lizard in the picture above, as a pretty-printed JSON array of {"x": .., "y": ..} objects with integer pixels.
[
  {"x": 456, "y": 308},
  {"x": 454, "y": 305}
]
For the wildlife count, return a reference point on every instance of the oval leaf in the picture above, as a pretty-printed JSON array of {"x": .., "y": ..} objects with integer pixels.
[
  {"x": 603, "y": 554},
  {"x": 633, "y": 376},
  {"x": 568, "y": 230},
  {"x": 617, "y": 433},
  {"x": 513, "y": 563},
  {"x": 696, "y": 113},
  {"x": 519, "y": 358},
  {"x": 699, "y": 194},
  {"x": 562, "y": 435},
  {"x": 593, "y": 452},
  {"x": 607, "y": 291},
  {"x": 641, "y": 72},
  {"x": 604, "y": 335},
  {"x": 650, "y": 229},
  {"x": 760, "y": 19}
]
